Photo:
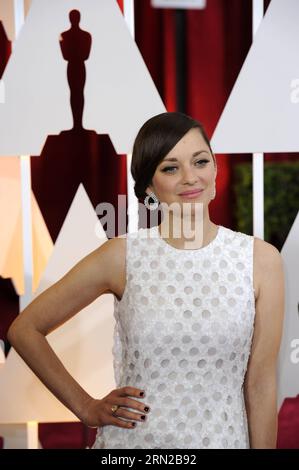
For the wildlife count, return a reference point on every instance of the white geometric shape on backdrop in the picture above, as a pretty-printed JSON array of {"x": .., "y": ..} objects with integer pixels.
[
  {"x": 2, "y": 92},
  {"x": 186, "y": 4},
  {"x": 119, "y": 93},
  {"x": 83, "y": 344},
  {"x": 261, "y": 114},
  {"x": 288, "y": 364}
]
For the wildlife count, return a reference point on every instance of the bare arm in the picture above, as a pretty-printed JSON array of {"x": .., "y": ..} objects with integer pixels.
[
  {"x": 260, "y": 387},
  {"x": 91, "y": 277}
]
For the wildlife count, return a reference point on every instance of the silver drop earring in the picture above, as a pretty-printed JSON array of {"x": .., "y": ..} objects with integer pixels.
[{"x": 153, "y": 206}]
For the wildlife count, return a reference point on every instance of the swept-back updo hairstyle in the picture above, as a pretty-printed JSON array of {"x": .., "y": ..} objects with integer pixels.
[{"x": 154, "y": 141}]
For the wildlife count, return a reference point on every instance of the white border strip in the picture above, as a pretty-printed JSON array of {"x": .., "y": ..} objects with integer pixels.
[
  {"x": 258, "y": 158},
  {"x": 132, "y": 200},
  {"x": 19, "y": 15}
]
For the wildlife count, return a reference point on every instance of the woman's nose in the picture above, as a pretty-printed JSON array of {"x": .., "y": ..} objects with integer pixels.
[{"x": 189, "y": 175}]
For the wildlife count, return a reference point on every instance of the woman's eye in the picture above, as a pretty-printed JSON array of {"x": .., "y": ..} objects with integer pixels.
[{"x": 168, "y": 168}]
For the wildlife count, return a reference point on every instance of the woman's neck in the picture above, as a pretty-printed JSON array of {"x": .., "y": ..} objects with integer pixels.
[{"x": 188, "y": 233}]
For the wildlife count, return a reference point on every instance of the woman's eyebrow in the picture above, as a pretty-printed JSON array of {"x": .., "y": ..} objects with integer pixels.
[{"x": 173, "y": 159}]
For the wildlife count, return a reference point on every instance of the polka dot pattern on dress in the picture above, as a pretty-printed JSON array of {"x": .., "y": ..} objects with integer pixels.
[{"x": 183, "y": 332}]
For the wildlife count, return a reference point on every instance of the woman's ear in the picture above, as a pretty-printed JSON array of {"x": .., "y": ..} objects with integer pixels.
[{"x": 149, "y": 189}]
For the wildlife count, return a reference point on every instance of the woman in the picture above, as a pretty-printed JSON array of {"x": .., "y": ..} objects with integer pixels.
[{"x": 197, "y": 329}]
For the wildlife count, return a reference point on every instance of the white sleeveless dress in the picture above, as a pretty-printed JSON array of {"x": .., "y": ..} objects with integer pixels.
[{"x": 183, "y": 333}]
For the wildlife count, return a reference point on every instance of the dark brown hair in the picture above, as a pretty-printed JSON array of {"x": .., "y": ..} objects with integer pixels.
[{"x": 154, "y": 140}]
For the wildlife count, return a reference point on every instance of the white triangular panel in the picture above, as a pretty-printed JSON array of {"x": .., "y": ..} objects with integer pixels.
[
  {"x": 83, "y": 344},
  {"x": 288, "y": 371},
  {"x": 262, "y": 112},
  {"x": 119, "y": 92}
]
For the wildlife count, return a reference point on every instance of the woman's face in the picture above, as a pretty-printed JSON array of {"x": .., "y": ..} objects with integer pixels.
[{"x": 191, "y": 168}]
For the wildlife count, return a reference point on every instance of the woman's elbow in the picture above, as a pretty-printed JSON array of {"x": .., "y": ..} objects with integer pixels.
[
  {"x": 261, "y": 385},
  {"x": 18, "y": 329},
  {"x": 12, "y": 333}
]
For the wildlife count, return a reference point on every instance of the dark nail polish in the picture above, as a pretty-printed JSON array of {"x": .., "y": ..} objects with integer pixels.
[
  {"x": 142, "y": 417},
  {"x": 146, "y": 409},
  {"x": 133, "y": 424},
  {"x": 142, "y": 394}
]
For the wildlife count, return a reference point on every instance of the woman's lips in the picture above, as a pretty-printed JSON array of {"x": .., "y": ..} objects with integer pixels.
[{"x": 191, "y": 195}]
